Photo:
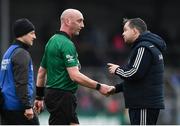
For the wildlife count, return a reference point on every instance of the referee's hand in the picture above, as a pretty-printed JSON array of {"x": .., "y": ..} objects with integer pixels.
[
  {"x": 38, "y": 106},
  {"x": 106, "y": 89}
]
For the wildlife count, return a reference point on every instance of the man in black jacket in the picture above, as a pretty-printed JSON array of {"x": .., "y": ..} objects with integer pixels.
[
  {"x": 143, "y": 74},
  {"x": 17, "y": 77}
]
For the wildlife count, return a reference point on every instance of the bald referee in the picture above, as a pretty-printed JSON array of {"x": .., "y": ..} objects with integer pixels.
[{"x": 61, "y": 65}]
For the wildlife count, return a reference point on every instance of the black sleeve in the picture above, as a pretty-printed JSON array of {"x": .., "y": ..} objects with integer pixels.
[
  {"x": 119, "y": 87},
  {"x": 20, "y": 60},
  {"x": 137, "y": 67}
]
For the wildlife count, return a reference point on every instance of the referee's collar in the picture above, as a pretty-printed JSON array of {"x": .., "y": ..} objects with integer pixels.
[{"x": 63, "y": 33}]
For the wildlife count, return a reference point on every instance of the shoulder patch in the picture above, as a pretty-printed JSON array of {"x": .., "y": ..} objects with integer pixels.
[
  {"x": 151, "y": 46},
  {"x": 160, "y": 57},
  {"x": 69, "y": 58}
]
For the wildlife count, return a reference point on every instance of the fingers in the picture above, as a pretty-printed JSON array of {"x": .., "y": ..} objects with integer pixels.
[
  {"x": 111, "y": 90},
  {"x": 29, "y": 113},
  {"x": 111, "y": 70},
  {"x": 110, "y": 64},
  {"x": 29, "y": 116},
  {"x": 37, "y": 109},
  {"x": 107, "y": 90},
  {"x": 112, "y": 67},
  {"x": 38, "y": 106}
]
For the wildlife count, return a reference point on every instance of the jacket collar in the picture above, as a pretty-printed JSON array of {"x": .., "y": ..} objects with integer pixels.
[
  {"x": 21, "y": 44},
  {"x": 138, "y": 40}
]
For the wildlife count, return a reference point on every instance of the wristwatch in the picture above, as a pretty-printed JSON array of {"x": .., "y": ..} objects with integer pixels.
[{"x": 98, "y": 86}]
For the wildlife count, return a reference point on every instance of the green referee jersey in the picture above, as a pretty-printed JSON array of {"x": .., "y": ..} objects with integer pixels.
[{"x": 60, "y": 53}]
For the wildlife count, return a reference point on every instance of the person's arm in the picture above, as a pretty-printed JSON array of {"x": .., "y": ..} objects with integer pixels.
[
  {"x": 20, "y": 73},
  {"x": 137, "y": 68},
  {"x": 119, "y": 87},
  {"x": 116, "y": 89},
  {"x": 40, "y": 85},
  {"x": 83, "y": 80},
  {"x": 80, "y": 78},
  {"x": 41, "y": 77}
]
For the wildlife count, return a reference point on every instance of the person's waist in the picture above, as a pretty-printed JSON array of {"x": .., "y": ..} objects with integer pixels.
[{"x": 60, "y": 90}]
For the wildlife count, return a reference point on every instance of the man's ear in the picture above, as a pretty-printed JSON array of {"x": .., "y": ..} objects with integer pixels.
[
  {"x": 67, "y": 21},
  {"x": 135, "y": 31}
]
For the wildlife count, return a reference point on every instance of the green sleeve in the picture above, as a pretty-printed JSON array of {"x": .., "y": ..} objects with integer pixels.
[
  {"x": 70, "y": 55},
  {"x": 43, "y": 62}
]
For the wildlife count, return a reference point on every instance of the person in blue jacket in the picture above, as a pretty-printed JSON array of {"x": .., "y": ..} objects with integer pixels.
[
  {"x": 143, "y": 74},
  {"x": 17, "y": 77}
]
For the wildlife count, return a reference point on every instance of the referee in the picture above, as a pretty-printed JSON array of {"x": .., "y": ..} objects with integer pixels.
[{"x": 61, "y": 65}]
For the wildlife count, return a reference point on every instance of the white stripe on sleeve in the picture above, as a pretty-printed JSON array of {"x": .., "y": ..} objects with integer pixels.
[{"x": 135, "y": 67}]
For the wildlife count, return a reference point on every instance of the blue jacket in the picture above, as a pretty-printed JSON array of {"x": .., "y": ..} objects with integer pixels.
[
  {"x": 18, "y": 94},
  {"x": 143, "y": 74}
]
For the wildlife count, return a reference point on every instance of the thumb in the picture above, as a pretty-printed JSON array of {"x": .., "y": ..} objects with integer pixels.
[{"x": 109, "y": 64}]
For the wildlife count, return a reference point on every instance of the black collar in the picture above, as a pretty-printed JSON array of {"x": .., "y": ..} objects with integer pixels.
[
  {"x": 138, "y": 40},
  {"x": 21, "y": 44},
  {"x": 63, "y": 33}
]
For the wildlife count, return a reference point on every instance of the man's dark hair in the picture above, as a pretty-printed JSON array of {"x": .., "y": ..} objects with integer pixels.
[{"x": 137, "y": 23}]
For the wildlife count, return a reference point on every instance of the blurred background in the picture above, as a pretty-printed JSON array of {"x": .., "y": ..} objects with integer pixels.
[{"x": 101, "y": 42}]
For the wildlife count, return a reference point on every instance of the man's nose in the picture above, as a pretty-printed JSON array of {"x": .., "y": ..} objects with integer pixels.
[
  {"x": 34, "y": 36},
  {"x": 82, "y": 25}
]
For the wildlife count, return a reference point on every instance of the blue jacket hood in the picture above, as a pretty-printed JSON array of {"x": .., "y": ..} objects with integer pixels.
[{"x": 154, "y": 39}]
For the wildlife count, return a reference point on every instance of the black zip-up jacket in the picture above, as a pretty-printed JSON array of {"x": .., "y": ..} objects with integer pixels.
[{"x": 143, "y": 74}]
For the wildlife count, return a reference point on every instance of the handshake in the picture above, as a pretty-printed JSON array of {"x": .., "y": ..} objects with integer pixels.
[{"x": 106, "y": 90}]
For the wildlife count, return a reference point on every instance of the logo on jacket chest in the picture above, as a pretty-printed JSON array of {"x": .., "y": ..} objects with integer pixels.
[
  {"x": 31, "y": 67},
  {"x": 160, "y": 57}
]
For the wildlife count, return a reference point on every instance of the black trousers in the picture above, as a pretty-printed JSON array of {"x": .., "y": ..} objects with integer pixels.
[
  {"x": 62, "y": 107},
  {"x": 143, "y": 116},
  {"x": 17, "y": 118}
]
